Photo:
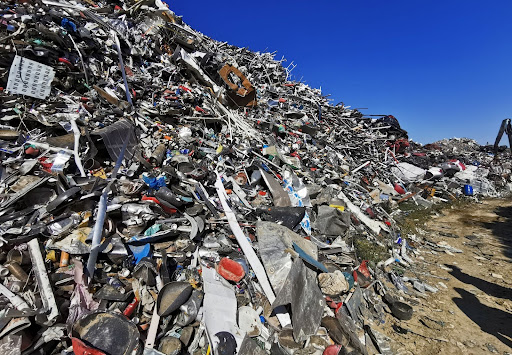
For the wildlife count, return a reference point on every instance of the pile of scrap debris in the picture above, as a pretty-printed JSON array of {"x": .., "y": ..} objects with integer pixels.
[{"x": 163, "y": 192}]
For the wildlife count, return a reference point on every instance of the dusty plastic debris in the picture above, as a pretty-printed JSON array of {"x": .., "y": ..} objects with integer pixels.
[{"x": 333, "y": 284}]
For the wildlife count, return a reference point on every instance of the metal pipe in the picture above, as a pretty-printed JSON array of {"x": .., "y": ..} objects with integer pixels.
[
  {"x": 121, "y": 64},
  {"x": 16, "y": 271}
]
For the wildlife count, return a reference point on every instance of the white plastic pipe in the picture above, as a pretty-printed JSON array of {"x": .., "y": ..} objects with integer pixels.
[
  {"x": 100, "y": 217},
  {"x": 43, "y": 281},
  {"x": 16, "y": 300},
  {"x": 76, "y": 134}
]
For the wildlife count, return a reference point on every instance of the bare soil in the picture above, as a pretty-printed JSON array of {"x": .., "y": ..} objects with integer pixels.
[{"x": 472, "y": 312}]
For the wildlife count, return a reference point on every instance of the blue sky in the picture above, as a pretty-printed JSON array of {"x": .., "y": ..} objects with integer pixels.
[{"x": 443, "y": 68}]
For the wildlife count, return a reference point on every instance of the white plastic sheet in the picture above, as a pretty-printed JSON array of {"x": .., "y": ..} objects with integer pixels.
[{"x": 28, "y": 77}]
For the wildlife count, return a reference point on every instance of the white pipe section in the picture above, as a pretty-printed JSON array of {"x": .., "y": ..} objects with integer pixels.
[
  {"x": 375, "y": 226},
  {"x": 16, "y": 300},
  {"x": 284, "y": 318},
  {"x": 43, "y": 281},
  {"x": 76, "y": 134}
]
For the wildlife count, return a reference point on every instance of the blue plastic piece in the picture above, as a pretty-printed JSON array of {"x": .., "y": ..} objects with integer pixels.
[
  {"x": 309, "y": 259},
  {"x": 153, "y": 182},
  {"x": 140, "y": 251},
  {"x": 68, "y": 25},
  {"x": 468, "y": 190},
  {"x": 350, "y": 279},
  {"x": 265, "y": 167}
]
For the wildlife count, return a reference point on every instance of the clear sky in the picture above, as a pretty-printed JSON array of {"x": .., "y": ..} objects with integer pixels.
[{"x": 443, "y": 68}]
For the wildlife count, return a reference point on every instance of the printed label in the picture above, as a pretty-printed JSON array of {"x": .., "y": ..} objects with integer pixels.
[{"x": 28, "y": 77}]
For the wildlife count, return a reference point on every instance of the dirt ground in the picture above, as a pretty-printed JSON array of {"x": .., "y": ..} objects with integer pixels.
[{"x": 472, "y": 312}]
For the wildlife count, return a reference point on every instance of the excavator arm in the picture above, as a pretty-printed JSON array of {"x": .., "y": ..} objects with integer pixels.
[{"x": 506, "y": 127}]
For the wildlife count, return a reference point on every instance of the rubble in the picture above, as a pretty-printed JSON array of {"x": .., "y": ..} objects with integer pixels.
[{"x": 189, "y": 197}]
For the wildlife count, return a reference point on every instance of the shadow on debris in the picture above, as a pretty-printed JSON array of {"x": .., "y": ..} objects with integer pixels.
[
  {"x": 490, "y": 320},
  {"x": 485, "y": 286},
  {"x": 503, "y": 229}
]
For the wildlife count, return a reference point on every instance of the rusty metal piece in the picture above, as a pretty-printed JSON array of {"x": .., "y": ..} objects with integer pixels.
[
  {"x": 16, "y": 271},
  {"x": 244, "y": 95}
]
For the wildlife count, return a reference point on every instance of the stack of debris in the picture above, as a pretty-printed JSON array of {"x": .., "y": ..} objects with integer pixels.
[{"x": 163, "y": 192}]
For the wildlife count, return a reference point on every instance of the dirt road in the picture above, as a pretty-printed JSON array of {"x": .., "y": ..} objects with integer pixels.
[{"x": 472, "y": 311}]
